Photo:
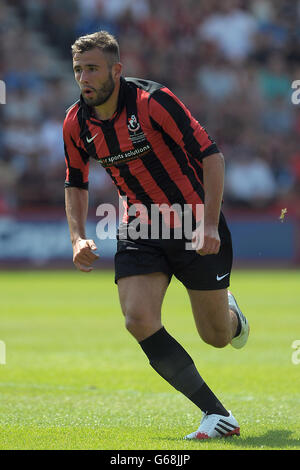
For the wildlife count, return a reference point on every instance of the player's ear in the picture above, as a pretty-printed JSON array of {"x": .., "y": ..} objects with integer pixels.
[{"x": 117, "y": 70}]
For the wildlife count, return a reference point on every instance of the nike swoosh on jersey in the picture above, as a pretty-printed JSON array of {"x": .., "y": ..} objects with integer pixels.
[
  {"x": 219, "y": 278},
  {"x": 91, "y": 139}
]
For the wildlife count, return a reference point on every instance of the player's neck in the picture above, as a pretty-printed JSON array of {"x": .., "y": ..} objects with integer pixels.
[{"x": 106, "y": 110}]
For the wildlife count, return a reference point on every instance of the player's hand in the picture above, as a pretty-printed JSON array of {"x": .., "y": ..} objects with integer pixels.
[
  {"x": 84, "y": 254},
  {"x": 206, "y": 242}
]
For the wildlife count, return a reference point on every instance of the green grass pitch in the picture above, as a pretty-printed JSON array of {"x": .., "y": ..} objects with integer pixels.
[{"x": 75, "y": 379}]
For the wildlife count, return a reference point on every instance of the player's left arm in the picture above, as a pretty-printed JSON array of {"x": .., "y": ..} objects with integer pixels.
[
  {"x": 213, "y": 177},
  {"x": 168, "y": 114},
  {"x": 171, "y": 116}
]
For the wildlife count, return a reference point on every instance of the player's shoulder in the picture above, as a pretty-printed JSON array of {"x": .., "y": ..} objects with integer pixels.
[
  {"x": 156, "y": 92},
  {"x": 71, "y": 116},
  {"x": 147, "y": 85}
]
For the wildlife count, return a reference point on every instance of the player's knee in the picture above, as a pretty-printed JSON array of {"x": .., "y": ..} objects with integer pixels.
[
  {"x": 217, "y": 338},
  {"x": 220, "y": 342},
  {"x": 140, "y": 323},
  {"x": 133, "y": 323}
]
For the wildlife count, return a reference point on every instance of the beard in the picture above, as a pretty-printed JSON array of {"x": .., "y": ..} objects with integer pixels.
[{"x": 102, "y": 94}]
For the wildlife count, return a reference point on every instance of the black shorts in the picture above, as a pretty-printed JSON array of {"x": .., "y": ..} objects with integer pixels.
[{"x": 210, "y": 272}]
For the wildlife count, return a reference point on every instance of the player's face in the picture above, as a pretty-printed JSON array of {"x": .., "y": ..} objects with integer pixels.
[{"x": 94, "y": 76}]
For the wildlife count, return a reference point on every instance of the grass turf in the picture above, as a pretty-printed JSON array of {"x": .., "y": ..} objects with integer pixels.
[{"x": 75, "y": 379}]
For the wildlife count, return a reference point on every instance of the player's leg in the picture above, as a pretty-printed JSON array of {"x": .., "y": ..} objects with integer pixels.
[
  {"x": 215, "y": 322},
  {"x": 218, "y": 318},
  {"x": 207, "y": 278},
  {"x": 141, "y": 299},
  {"x": 217, "y": 325}
]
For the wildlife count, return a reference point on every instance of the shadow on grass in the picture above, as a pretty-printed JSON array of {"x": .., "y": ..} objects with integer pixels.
[{"x": 273, "y": 439}]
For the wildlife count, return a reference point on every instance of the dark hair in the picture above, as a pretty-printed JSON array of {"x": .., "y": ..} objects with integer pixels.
[{"x": 102, "y": 40}]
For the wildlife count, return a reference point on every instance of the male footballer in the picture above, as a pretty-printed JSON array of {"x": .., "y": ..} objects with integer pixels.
[{"x": 156, "y": 154}]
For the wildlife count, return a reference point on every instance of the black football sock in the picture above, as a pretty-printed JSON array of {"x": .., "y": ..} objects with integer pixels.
[{"x": 170, "y": 360}]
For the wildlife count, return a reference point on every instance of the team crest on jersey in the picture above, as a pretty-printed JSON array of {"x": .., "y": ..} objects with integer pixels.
[
  {"x": 133, "y": 124},
  {"x": 136, "y": 135}
]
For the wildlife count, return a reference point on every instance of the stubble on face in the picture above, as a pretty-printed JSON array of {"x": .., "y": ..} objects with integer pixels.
[{"x": 102, "y": 94}]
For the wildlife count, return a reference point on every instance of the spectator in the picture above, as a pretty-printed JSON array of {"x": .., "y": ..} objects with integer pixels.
[
  {"x": 232, "y": 29},
  {"x": 250, "y": 182},
  {"x": 231, "y": 62}
]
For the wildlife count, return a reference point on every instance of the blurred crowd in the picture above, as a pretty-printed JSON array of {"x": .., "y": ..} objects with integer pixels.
[{"x": 232, "y": 62}]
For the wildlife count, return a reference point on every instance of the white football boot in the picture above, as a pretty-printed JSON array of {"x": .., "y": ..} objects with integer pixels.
[
  {"x": 213, "y": 426},
  {"x": 239, "y": 341}
]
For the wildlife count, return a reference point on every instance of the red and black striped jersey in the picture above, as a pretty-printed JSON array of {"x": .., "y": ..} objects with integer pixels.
[{"x": 152, "y": 147}]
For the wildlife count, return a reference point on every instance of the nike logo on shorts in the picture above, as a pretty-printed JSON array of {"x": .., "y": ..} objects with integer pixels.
[{"x": 219, "y": 278}]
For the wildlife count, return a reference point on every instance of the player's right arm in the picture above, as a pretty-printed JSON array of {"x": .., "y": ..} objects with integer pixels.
[
  {"x": 76, "y": 196},
  {"x": 76, "y": 202}
]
